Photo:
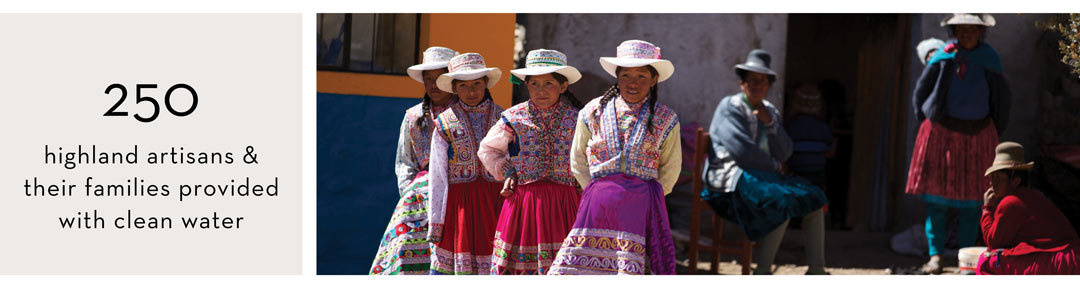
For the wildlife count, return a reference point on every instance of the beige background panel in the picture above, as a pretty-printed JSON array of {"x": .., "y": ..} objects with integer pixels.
[{"x": 246, "y": 70}]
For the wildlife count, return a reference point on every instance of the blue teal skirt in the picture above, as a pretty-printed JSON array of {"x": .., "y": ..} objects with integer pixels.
[{"x": 764, "y": 199}]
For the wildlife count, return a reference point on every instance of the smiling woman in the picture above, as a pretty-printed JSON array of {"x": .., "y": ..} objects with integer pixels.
[
  {"x": 464, "y": 201},
  {"x": 529, "y": 150},
  {"x": 627, "y": 154}
]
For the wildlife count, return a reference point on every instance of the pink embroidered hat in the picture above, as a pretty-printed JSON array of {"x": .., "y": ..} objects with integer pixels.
[
  {"x": 468, "y": 66},
  {"x": 543, "y": 61},
  {"x": 637, "y": 53},
  {"x": 434, "y": 58}
]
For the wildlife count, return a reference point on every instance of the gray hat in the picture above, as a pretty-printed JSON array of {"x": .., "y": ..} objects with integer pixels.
[
  {"x": 1009, "y": 155},
  {"x": 757, "y": 61}
]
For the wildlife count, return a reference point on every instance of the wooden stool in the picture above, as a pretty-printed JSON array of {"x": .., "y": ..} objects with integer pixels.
[{"x": 744, "y": 248}]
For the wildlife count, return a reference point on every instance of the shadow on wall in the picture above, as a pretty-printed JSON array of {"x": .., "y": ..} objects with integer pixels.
[{"x": 356, "y": 186}]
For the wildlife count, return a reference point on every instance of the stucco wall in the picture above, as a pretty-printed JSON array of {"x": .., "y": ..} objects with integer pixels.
[
  {"x": 703, "y": 49},
  {"x": 1016, "y": 40}
]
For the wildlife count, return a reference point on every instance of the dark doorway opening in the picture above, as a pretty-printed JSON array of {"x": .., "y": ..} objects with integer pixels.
[{"x": 857, "y": 63}]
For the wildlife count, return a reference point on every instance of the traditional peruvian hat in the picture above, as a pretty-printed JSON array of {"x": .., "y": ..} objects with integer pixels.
[
  {"x": 1010, "y": 155},
  {"x": 757, "y": 61},
  {"x": 468, "y": 66},
  {"x": 969, "y": 18},
  {"x": 928, "y": 45},
  {"x": 434, "y": 58},
  {"x": 637, "y": 53},
  {"x": 543, "y": 61}
]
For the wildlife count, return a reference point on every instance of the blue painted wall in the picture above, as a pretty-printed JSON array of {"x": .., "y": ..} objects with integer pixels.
[{"x": 357, "y": 191}]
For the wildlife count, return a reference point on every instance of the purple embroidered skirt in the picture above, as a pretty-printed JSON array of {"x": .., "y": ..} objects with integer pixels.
[{"x": 621, "y": 228}]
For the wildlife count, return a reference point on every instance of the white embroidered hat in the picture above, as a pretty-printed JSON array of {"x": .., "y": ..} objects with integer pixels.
[
  {"x": 468, "y": 66},
  {"x": 969, "y": 18},
  {"x": 637, "y": 53},
  {"x": 435, "y": 57},
  {"x": 543, "y": 61}
]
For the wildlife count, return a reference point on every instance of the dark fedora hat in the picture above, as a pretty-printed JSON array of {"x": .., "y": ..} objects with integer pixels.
[{"x": 757, "y": 61}]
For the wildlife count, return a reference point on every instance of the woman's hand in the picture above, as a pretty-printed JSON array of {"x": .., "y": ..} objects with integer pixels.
[
  {"x": 763, "y": 115},
  {"x": 991, "y": 199},
  {"x": 509, "y": 185}
]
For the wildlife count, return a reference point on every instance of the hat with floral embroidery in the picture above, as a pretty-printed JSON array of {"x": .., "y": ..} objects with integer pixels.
[{"x": 637, "y": 53}]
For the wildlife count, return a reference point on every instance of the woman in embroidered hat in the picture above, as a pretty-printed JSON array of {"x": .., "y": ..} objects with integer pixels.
[
  {"x": 529, "y": 148},
  {"x": 962, "y": 101},
  {"x": 744, "y": 171},
  {"x": 464, "y": 199},
  {"x": 1024, "y": 232},
  {"x": 404, "y": 248},
  {"x": 626, "y": 153}
]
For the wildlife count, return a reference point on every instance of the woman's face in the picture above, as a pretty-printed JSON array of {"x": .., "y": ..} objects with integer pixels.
[
  {"x": 1001, "y": 183},
  {"x": 635, "y": 82},
  {"x": 470, "y": 91},
  {"x": 968, "y": 35},
  {"x": 438, "y": 96},
  {"x": 544, "y": 90},
  {"x": 756, "y": 86}
]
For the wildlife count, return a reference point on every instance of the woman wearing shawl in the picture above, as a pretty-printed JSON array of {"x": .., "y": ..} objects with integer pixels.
[
  {"x": 626, "y": 153},
  {"x": 404, "y": 247},
  {"x": 745, "y": 170},
  {"x": 962, "y": 100},
  {"x": 529, "y": 148},
  {"x": 464, "y": 199}
]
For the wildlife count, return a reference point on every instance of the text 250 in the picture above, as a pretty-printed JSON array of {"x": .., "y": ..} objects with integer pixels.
[{"x": 139, "y": 98}]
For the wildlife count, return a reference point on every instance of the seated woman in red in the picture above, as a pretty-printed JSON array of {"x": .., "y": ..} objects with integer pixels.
[{"x": 1025, "y": 233}]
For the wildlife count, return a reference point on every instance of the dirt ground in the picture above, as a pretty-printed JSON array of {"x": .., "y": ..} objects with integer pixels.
[{"x": 846, "y": 253}]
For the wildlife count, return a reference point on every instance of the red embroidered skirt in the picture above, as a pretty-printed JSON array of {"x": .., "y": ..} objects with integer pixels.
[
  {"x": 468, "y": 228},
  {"x": 1064, "y": 262},
  {"x": 949, "y": 165},
  {"x": 533, "y": 223}
]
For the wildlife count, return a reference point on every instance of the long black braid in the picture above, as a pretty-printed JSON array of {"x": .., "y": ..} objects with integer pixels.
[
  {"x": 611, "y": 93},
  {"x": 614, "y": 91},
  {"x": 422, "y": 122},
  {"x": 652, "y": 106}
]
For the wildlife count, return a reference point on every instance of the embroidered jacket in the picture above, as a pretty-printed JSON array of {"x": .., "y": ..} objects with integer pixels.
[
  {"x": 616, "y": 141},
  {"x": 454, "y": 142},
  {"x": 537, "y": 142},
  {"x": 414, "y": 143}
]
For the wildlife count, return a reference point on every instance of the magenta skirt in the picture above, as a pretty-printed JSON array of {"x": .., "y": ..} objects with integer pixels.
[
  {"x": 947, "y": 166},
  {"x": 532, "y": 225},
  {"x": 621, "y": 228}
]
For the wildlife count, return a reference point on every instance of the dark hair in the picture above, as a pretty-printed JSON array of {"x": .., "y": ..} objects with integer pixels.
[
  {"x": 487, "y": 92},
  {"x": 614, "y": 91},
  {"x": 427, "y": 105},
  {"x": 742, "y": 76},
  {"x": 1022, "y": 174},
  {"x": 569, "y": 96}
]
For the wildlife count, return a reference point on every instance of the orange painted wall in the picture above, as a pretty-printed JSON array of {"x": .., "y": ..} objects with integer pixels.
[{"x": 491, "y": 35}]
